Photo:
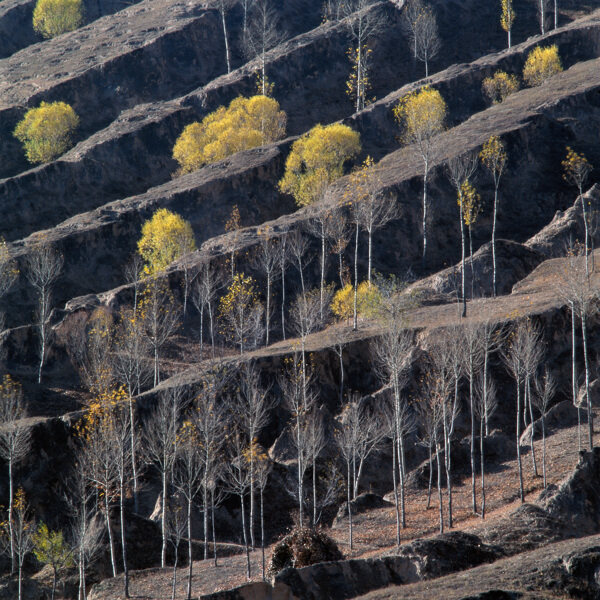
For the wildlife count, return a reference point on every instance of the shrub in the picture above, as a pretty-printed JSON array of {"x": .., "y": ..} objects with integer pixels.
[
  {"x": 45, "y": 131},
  {"x": 542, "y": 63},
  {"x": 165, "y": 238},
  {"x": 301, "y": 548},
  {"x": 53, "y": 17},
  {"x": 367, "y": 300},
  {"x": 501, "y": 85},
  {"x": 246, "y": 123}
]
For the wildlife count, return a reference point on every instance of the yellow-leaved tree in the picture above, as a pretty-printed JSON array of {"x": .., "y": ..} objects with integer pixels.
[
  {"x": 246, "y": 123},
  {"x": 507, "y": 17},
  {"x": 421, "y": 115},
  {"x": 542, "y": 63},
  {"x": 165, "y": 238},
  {"x": 317, "y": 159},
  {"x": 501, "y": 85},
  {"x": 471, "y": 208},
  {"x": 368, "y": 299},
  {"x": 54, "y": 17},
  {"x": 46, "y": 131}
]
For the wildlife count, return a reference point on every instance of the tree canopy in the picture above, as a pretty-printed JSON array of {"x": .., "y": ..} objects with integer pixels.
[
  {"x": 317, "y": 159},
  {"x": 542, "y": 63},
  {"x": 54, "y": 17},
  {"x": 46, "y": 131},
  {"x": 246, "y": 123},
  {"x": 165, "y": 238}
]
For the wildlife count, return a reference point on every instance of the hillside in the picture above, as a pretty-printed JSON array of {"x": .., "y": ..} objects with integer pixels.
[{"x": 394, "y": 358}]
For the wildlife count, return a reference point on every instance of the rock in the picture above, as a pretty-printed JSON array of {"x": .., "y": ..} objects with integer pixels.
[
  {"x": 562, "y": 414},
  {"x": 362, "y": 503}
]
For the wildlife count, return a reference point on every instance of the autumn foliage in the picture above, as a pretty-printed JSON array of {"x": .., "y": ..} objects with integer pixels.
[
  {"x": 498, "y": 87},
  {"x": 246, "y": 123},
  {"x": 165, "y": 238},
  {"x": 541, "y": 64},
  {"x": 317, "y": 159},
  {"x": 54, "y": 17},
  {"x": 368, "y": 299},
  {"x": 46, "y": 131},
  {"x": 422, "y": 114}
]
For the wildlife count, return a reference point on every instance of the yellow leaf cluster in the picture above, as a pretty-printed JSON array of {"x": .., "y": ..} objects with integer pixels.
[
  {"x": 54, "y": 17},
  {"x": 359, "y": 74},
  {"x": 368, "y": 298},
  {"x": 422, "y": 114},
  {"x": 541, "y": 64},
  {"x": 507, "y": 17},
  {"x": 493, "y": 155},
  {"x": 246, "y": 123},
  {"x": 576, "y": 167},
  {"x": 9, "y": 388},
  {"x": 165, "y": 238},
  {"x": 46, "y": 131},
  {"x": 240, "y": 299},
  {"x": 501, "y": 85},
  {"x": 317, "y": 159},
  {"x": 102, "y": 411},
  {"x": 470, "y": 201}
]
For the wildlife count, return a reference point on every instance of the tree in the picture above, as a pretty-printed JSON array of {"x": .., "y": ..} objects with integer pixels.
[
  {"x": 575, "y": 286},
  {"x": 267, "y": 259},
  {"x": 50, "y": 548},
  {"x": 46, "y": 131},
  {"x": 471, "y": 208},
  {"x": 493, "y": 156},
  {"x": 317, "y": 159},
  {"x": 413, "y": 9},
  {"x": 485, "y": 406},
  {"x": 297, "y": 247},
  {"x": 223, "y": 7},
  {"x": 22, "y": 533},
  {"x": 241, "y": 313},
  {"x": 159, "y": 316},
  {"x": 427, "y": 38},
  {"x": 261, "y": 35},
  {"x": 263, "y": 469},
  {"x": 542, "y": 12},
  {"x": 233, "y": 225},
  {"x": 176, "y": 526},
  {"x": 44, "y": 266},
  {"x": 246, "y": 123},
  {"x": 133, "y": 271},
  {"x": 460, "y": 169},
  {"x": 368, "y": 297},
  {"x": 15, "y": 441},
  {"x": 541, "y": 64},
  {"x": 160, "y": 445},
  {"x": 421, "y": 114},
  {"x": 252, "y": 410},
  {"x": 364, "y": 21},
  {"x": 545, "y": 387},
  {"x": 55, "y": 17},
  {"x": 500, "y": 86},
  {"x": 507, "y": 18},
  {"x": 165, "y": 238},
  {"x": 204, "y": 295},
  {"x": 8, "y": 272},
  {"x": 576, "y": 169},
  {"x": 338, "y": 231}
]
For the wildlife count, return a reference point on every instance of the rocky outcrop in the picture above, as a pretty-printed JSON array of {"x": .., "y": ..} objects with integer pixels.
[{"x": 362, "y": 503}]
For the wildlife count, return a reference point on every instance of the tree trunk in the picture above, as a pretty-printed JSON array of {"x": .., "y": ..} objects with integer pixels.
[
  {"x": 462, "y": 260},
  {"x": 212, "y": 519},
  {"x": 587, "y": 234},
  {"x": 472, "y": 448},
  {"x": 495, "y": 290},
  {"x": 10, "y": 513},
  {"x": 268, "y": 311},
  {"x": 471, "y": 262},
  {"x": 425, "y": 174},
  {"x": 544, "y": 448},
  {"x": 587, "y": 382},
  {"x": 111, "y": 542},
  {"x": 447, "y": 466},
  {"x": 133, "y": 453},
  {"x": 349, "y": 506},
  {"x": 20, "y": 580},
  {"x": 262, "y": 533},
  {"x": 481, "y": 423},
  {"x": 340, "y": 269},
  {"x": 189, "y": 534},
  {"x": 355, "y": 321},
  {"x": 521, "y": 492},
  {"x": 370, "y": 267},
  {"x": 223, "y": 22},
  {"x": 314, "y": 487},
  {"x": 395, "y": 484},
  {"x": 205, "y": 512},
  {"x": 439, "y": 486},
  {"x": 322, "y": 267},
  {"x": 201, "y": 330},
  {"x": 174, "y": 579},
  {"x": 283, "y": 287},
  {"x": 430, "y": 475},
  {"x": 123, "y": 540},
  {"x": 251, "y": 517},
  {"x": 509, "y": 38},
  {"x": 212, "y": 330},
  {"x": 53, "y": 584},
  {"x": 248, "y": 574},
  {"x": 532, "y": 430},
  {"x": 163, "y": 520},
  {"x": 358, "y": 77}
]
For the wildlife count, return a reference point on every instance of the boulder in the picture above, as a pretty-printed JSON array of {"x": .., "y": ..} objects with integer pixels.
[{"x": 362, "y": 503}]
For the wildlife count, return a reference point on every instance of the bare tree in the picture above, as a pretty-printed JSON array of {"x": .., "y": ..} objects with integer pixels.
[
  {"x": 44, "y": 266},
  {"x": 485, "y": 406},
  {"x": 542, "y": 7},
  {"x": 297, "y": 245},
  {"x": 252, "y": 410},
  {"x": 223, "y": 7},
  {"x": 160, "y": 445},
  {"x": 413, "y": 10},
  {"x": 545, "y": 389},
  {"x": 338, "y": 231},
  {"x": 317, "y": 226},
  {"x": 15, "y": 441},
  {"x": 333, "y": 10},
  {"x": 176, "y": 527},
  {"x": 204, "y": 295},
  {"x": 284, "y": 259},
  {"x": 263, "y": 469},
  {"x": 267, "y": 260},
  {"x": 132, "y": 272},
  {"x": 160, "y": 319},
  {"x": 427, "y": 39},
  {"x": 460, "y": 169},
  {"x": 365, "y": 20},
  {"x": 575, "y": 286},
  {"x": 262, "y": 34}
]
